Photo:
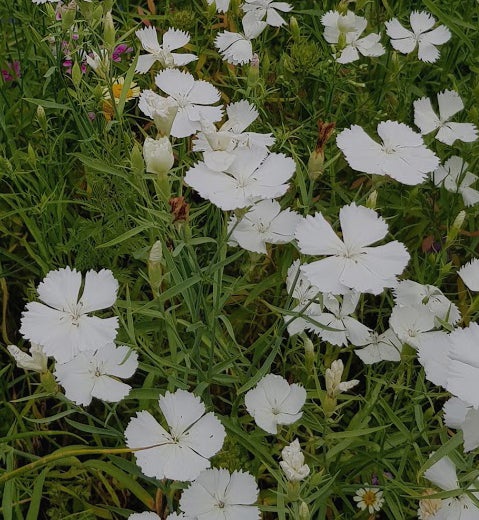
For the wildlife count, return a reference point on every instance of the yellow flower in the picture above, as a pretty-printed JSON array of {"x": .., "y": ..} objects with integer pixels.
[{"x": 117, "y": 88}]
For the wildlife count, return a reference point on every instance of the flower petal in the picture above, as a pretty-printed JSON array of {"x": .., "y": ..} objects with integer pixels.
[
  {"x": 60, "y": 289},
  {"x": 99, "y": 291}
]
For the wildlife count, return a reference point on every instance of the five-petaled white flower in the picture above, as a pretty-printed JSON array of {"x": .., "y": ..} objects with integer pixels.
[
  {"x": 183, "y": 452},
  {"x": 62, "y": 324},
  {"x": 264, "y": 223},
  {"x": 411, "y": 323},
  {"x": 95, "y": 374},
  {"x": 217, "y": 145},
  {"x": 253, "y": 175},
  {"x": 370, "y": 499},
  {"x": 235, "y": 47},
  {"x": 410, "y": 293},
  {"x": 351, "y": 263},
  {"x": 453, "y": 175},
  {"x": 293, "y": 462},
  {"x": 37, "y": 361},
  {"x": 380, "y": 347},
  {"x": 405, "y": 41},
  {"x": 274, "y": 401},
  {"x": 449, "y": 103},
  {"x": 470, "y": 274},
  {"x": 402, "y": 154},
  {"x": 172, "y": 39},
  {"x": 339, "y": 318},
  {"x": 218, "y": 495},
  {"x": 268, "y": 10},
  {"x": 443, "y": 475},
  {"x": 192, "y": 98}
]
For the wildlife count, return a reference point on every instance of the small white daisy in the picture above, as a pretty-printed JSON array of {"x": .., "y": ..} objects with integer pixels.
[{"x": 370, "y": 499}]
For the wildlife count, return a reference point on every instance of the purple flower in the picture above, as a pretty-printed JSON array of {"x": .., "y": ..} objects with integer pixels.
[
  {"x": 119, "y": 50},
  {"x": 12, "y": 71}
]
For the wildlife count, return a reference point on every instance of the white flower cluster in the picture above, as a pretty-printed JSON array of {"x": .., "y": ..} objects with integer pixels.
[{"x": 88, "y": 364}]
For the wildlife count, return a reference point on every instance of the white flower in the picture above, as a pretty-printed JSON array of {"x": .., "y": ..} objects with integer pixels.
[
  {"x": 162, "y": 110},
  {"x": 158, "y": 155},
  {"x": 260, "y": 9},
  {"x": 263, "y": 223},
  {"x": 461, "y": 415},
  {"x": 192, "y": 97},
  {"x": 274, "y": 401},
  {"x": 37, "y": 361},
  {"x": 172, "y": 39},
  {"x": 218, "y": 495},
  {"x": 351, "y": 263},
  {"x": 61, "y": 324},
  {"x": 367, "y": 46},
  {"x": 410, "y": 293},
  {"x": 337, "y": 25},
  {"x": 184, "y": 451},
  {"x": 405, "y": 41},
  {"x": 254, "y": 175},
  {"x": 95, "y": 374},
  {"x": 463, "y": 375},
  {"x": 144, "y": 516},
  {"x": 298, "y": 287},
  {"x": 433, "y": 351},
  {"x": 370, "y": 499},
  {"x": 350, "y": 27},
  {"x": 470, "y": 274},
  {"x": 236, "y": 48},
  {"x": 411, "y": 323},
  {"x": 348, "y": 328},
  {"x": 221, "y": 5},
  {"x": 402, "y": 154},
  {"x": 449, "y": 104},
  {"x": 443, "y": 475},
  {"x": 217, "y": 145},
  {"x": 293, "y": 462},
  {"x": 453, "y": 175},
  {"x": 381, "y": 347},
  {"x": 333, "y": 376}
]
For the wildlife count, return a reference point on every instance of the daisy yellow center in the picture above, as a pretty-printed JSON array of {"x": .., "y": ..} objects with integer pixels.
[
  {"x": 369, "y": 498},
  {"x": 117, "y": 88}
]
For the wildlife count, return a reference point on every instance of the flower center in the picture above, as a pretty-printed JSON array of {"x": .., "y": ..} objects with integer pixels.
[
  {"x": 116, "y": 90},
  {"x": 369, "y": 498},
  {"x": 182, "y": 101},
  {"x": 221, "y": 505}
]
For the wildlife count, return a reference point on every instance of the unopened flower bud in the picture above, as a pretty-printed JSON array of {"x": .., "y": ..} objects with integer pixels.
[
  {"x": 309, "y": 355},
  {"x": 109, "y": 31},
  {"x": 304, "y": 513},
  {"x": 42, "y": 118},
  {"x": 158, "y": 155},
  {"x": 294, "y": 27},
  {"x": 455, "y": 228},
  {"x": 155, "y": 267},
  {"x": 372, "y": 199},
  {"x": 333, "y": 377},
  {"x": 136, "y": 160}
]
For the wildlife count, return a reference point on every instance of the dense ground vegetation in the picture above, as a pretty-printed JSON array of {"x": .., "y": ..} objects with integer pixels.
[{"x": 203, "y": 315}]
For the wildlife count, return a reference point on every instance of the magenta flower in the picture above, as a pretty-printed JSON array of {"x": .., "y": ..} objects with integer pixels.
[
  {"x": 119, "y": 50},
  {"x": 12, "y": 71}
]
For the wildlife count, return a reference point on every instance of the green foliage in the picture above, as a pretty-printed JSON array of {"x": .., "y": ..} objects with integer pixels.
[{"x": 205, "y": 316}]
